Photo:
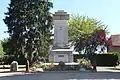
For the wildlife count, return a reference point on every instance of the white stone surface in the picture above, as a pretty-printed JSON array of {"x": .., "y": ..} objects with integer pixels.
[
  {"x": 14, "y": 66},
  {"x": 56, "y": 55},
  {"x": 60, "y": 50},
  {"x": 60, "y": 33},
  {"x": 61, "y": 57}
]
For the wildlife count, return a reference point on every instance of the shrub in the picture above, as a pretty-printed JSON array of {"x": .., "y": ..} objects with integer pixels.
[
  {"x": 84, "y": 63},
  {"x": 8, "y": 59},
  {"x": 61, "y": 65},
  {"x": 101, "y": 59}
]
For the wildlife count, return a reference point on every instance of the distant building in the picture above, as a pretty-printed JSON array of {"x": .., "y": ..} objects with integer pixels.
[{"x": 114, "y": 43}]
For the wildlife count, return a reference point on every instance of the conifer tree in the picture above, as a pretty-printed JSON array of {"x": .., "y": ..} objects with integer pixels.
[{"x": 29, "y": 24}]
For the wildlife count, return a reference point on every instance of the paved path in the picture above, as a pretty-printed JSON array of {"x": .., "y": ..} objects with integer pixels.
[
  {"x": 108, "y": 69},
  {"x": 103, "y": 73},
  {"x": 64, "y": 76}
]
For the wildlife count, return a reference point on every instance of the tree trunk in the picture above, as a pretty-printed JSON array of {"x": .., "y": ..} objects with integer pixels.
[
  {"x": 27, "y": 65},
  {"x": 94, "y": 65}
]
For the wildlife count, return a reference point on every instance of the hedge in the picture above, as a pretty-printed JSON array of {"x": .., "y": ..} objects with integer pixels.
[
  {"x": 101, "y": 59},
  {"x": 8, "y": 59}
]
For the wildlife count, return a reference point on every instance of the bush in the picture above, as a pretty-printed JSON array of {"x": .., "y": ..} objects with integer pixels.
[
  {"x": 85, "y": 63},
  {"x": 118, "y": 54},
  {"x": 107, "y": 60},
  {"x": 8, "y": 59},
  {"x": 61, "y": 65},
  {"x": 101, "y": 59},
  {"x": 76, "y": 57}
]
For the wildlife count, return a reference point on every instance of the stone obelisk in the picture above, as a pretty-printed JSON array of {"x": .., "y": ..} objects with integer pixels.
[{"x": 60, "y": 50}]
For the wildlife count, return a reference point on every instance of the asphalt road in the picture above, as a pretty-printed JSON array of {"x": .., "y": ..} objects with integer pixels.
[
  {"x": 103, "y": 73},
  {"x": 65, "y": 76}
]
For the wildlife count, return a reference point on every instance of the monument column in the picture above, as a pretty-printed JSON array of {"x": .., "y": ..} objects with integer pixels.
[
  {"x": 60, "y": 20},
  {"x": 60, "y": 50}
]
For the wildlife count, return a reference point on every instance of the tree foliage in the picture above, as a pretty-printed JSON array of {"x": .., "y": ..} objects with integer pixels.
[
  {"x": 89, "y": 43},
  {"x": 85, "y": 33},
  {"x": 1, "y": 49},
  {"x": 8, "y": 47},
  {"x": 80, "y": 25},
  {"x": 29, "y": 24}
]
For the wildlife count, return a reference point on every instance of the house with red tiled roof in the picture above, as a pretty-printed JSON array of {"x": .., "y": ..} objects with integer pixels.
[{"x": 115, "y": 43}]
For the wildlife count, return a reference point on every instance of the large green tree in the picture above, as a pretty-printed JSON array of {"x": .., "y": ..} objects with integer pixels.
[
  {"x": 84, "y": 28},
  {"x": 86, "y": 34},
  {"x": 29, "y": 24},
  {"x": 80, "y": 25}
]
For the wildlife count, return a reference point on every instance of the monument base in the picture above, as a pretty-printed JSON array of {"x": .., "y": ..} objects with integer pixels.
[{"x": 64, "y": 55}]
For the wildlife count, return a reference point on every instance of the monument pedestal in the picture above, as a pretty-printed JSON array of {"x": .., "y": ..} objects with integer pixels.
[
  {"x": 60, "y": 51},
  {"x": 64, "y": 55}
]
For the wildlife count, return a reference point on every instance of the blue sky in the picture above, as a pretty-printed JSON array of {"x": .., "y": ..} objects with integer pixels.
[{"x": 105, "y": 10}]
